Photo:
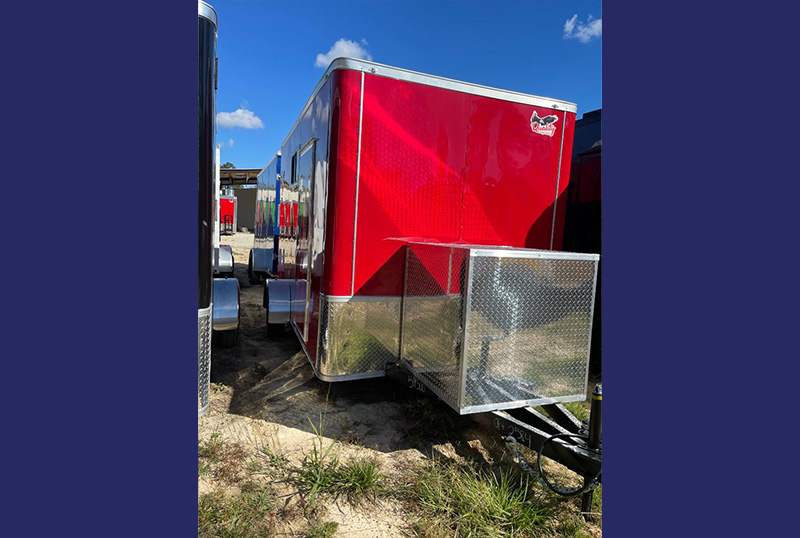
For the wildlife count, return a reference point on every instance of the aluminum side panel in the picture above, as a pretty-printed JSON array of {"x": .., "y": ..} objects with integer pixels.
[{"x": 266, "y": 206}]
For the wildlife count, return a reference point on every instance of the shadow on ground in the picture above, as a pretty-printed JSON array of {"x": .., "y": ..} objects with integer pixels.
[{"x": 271, "y": 380}]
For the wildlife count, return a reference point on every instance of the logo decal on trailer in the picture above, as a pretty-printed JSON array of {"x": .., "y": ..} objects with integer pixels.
[{"x": 543, "y": 126}]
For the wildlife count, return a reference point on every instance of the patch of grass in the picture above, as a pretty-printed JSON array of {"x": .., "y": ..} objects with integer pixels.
[
  {"x": 321, "y": 472},
  {"x": 570, "y": 526},
  {"x": 225, "y": 461},
  {"x": 211, "y": 449},
  {"x": 203, "y": 468},
  {"x": 322, "y": 529},
  {"x": 597, "y": 500},
  {"x": 456, "y": 501},
  {"x": 278, "y": 462},
  {"x": 247, "y": 515},
  {"x": 360, "y": 478},
  {"x": 579, "y": 409}
]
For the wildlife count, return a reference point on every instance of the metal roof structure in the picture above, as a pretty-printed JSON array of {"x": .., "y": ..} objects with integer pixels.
[{"x": 238, "y": 176}]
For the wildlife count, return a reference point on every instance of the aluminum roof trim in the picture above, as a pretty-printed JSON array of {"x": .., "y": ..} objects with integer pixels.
[
  {"x": 397, "y": 73},
  {"x": 206, "y": 11}
]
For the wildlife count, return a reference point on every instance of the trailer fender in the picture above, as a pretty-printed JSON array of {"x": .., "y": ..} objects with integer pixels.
[
  {"x": 223, "y": 260},
  {"x": 262, "y": 260},
  {"x": 277, "y": 299},
  {"x": 225, "y": 314}
]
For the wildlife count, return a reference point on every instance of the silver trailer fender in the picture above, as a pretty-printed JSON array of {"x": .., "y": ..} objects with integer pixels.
[
  {"x": 223, "y": 260},
  {"x": 225, "y": 314},
  {"x": 262, "y": 260},
  {"x": 278, "y": 300}
]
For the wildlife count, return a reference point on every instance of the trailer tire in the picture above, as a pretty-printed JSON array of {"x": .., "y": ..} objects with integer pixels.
[
  {"x": 225, "y": 339},
  {"x": 252, "y": 277}
]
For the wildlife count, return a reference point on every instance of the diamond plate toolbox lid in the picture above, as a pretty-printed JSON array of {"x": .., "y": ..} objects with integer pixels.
[{"x": 489, "y": 328}]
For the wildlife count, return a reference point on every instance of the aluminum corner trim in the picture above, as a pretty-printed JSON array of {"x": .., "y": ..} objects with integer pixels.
[
  {"x": 206, "y": 11},
  {"x": 465, "y": 332},
  {"x": 358, "y": 178}
]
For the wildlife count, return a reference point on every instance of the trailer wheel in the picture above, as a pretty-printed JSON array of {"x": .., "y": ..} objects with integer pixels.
[
  {"x": 252, "y": 277},
  {"x": 225, "y": 339}
]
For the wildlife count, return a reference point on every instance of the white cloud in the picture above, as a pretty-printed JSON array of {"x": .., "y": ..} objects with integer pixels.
[
  {"x": 583, "y": 32},
  {"x": 240, "y": 118},
  {"x": 230, "y": 142},
  {"x": 344, "y": 47}
]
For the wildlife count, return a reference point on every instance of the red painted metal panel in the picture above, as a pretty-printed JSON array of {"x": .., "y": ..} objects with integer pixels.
[
  {"x": 435, "y": 165},
  {"x": 445, "y": 166},
  {"x": 563, "y": 192},
  {"x": 227, "y": 218},
  {"x": 225, "y": 207},
  {"x": 512, "y": 172},
  {"x": 342, "y": 183},
  {"x": 413, "y": 152}
]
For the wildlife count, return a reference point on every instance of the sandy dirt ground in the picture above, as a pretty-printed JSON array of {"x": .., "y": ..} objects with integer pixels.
[{"x": 264, "y": 395}]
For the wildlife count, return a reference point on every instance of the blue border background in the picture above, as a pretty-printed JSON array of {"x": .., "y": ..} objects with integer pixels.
[
  {"x": 100, "y": 117},
  {"x": 699, "y": 363},
  {"x": 100, "y": 125}
]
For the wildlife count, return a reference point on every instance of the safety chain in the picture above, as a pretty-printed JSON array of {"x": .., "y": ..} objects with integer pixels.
[{"x": 511, "y": 443}]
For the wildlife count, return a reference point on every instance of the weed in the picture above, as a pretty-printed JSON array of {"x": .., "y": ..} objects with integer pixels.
[
  {"x": 570, "y": 526},
  {"x": 352, "y": 437},
  {"x": 247, "y": 515},
  {"x": 230, "y": 466},
  {"x": 459, "y": 501},
  {"x": 211, "y": 449},
  {"x": 579, "y": 409},
  {"x": 203, "y": 468},
  {"x": 278, "y": 462},
  {"x": 321, "y": 472},
  {"x": 360, "y": 478},
  {"x": 217, "y": 388},
  {"x": 221, "y": 459},
  {"x": 316, "y": 472},
  {"x": 597, "y": 500},
  {"x": 322, "y": 529}
]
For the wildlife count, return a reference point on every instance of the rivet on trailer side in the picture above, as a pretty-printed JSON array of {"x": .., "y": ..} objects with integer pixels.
[{"x": 424, "y": 228}]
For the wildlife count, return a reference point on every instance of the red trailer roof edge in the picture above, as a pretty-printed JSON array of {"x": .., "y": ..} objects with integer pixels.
[{"x": 416, "y": 77}]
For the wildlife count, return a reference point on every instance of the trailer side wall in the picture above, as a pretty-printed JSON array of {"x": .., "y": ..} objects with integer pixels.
[{"x": 392, "y": 161}]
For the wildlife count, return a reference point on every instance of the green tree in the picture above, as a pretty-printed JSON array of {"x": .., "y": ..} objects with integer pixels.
[{"x": 227, "y": 165}]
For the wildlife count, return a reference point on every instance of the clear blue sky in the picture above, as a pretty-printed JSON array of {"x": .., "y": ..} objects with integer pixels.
[{"x": 268, "y": 50}]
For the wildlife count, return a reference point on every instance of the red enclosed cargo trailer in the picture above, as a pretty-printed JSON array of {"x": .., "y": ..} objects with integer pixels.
[
  {"x": 381, "y": 157},
  {"x": 227, "y": 212}
]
